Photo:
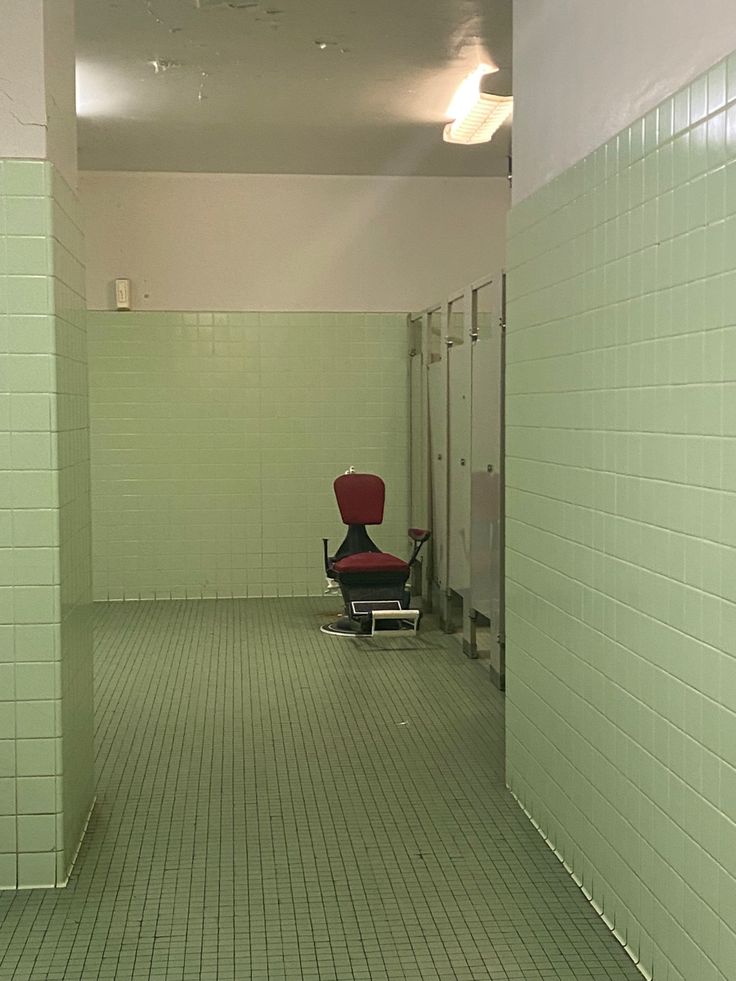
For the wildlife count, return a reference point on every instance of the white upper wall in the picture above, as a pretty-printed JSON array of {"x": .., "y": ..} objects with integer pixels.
[
  {"x": 584, "y": 69},
  {"x": 37, "y": 104},
  {"x": 22, "y": 93},
  {"x": 61, "y": 108},
  {"x": 275, "y": 242}
]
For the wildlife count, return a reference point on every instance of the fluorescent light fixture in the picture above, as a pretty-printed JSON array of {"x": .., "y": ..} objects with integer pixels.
[
  {"x": 476, "y": 114},
  {"x": 481, "y": 121}
]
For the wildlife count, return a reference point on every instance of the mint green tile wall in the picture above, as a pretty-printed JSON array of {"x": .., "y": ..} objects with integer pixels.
[
  {"x": 35, "y": 644},
  {"x": 75, "y": 521},
  {"x": 621, "y": 527},
  {"x": 216, "y": 437},
  {"x": 29, "y": 595}
]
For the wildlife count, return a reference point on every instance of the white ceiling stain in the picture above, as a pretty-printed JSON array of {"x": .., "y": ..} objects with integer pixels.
[{"x": 302, "y": 86}]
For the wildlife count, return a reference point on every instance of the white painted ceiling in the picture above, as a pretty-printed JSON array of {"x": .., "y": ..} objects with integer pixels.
[{"x": 249, "y": 90}]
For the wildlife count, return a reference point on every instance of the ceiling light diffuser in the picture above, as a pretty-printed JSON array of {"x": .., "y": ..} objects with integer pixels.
[
  {"x": 481, "y": 120},
  {"x": 477, "y": 114}
]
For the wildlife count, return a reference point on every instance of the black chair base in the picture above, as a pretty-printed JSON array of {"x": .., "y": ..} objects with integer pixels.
[
  {"x": 347, "y": 627},
  {"x": 343, "y": 627},
  {"x": 361, "y": 617}
]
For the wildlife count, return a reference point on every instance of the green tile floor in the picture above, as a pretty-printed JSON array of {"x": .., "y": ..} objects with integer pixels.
[{"x": 278, "y": 805}]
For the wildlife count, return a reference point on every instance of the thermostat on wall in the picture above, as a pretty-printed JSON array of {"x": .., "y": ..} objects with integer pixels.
[{"x": 122, "y": 294}]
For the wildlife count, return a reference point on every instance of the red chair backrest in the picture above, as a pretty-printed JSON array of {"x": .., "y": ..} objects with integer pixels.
[{"x": 360, "y": 497}]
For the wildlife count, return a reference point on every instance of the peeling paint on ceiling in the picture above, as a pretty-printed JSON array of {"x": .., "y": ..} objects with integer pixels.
[{"x": 302, "y": 86}]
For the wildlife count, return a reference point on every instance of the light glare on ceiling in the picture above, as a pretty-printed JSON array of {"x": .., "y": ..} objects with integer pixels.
[
  {"x": 98, "y": 92},
  {"x": 467, "y": 91}
]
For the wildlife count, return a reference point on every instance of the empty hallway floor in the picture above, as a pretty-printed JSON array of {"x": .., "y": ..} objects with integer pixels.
[{"x": 279, "y": 805}]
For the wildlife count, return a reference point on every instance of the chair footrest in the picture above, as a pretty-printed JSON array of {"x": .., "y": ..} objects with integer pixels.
[{"x": 409, "y": 616}]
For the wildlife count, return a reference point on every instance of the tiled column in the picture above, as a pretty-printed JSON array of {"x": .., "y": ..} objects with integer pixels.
[
  {"x": 621, "y": 527},
  {"x": 46, "y": 758}
]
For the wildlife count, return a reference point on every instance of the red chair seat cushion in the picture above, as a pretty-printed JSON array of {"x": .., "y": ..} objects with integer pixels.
[{"x": 371, "y": 562}]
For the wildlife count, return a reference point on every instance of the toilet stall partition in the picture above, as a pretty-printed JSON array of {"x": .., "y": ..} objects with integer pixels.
[
  {"x": 459, "y": 421},
  {"x": 457, "y": 466},
  {"x": 487, "y": 474},
  {"x": 419, "y": 460},
  {"x": 437, "y": 448}
]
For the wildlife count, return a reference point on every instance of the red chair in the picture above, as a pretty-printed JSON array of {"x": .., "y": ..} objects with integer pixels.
[{"x": 370, "y": 580}]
